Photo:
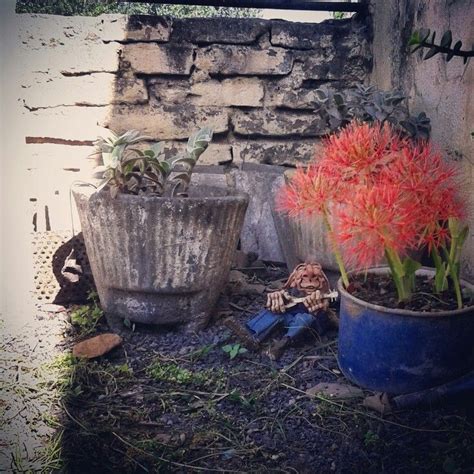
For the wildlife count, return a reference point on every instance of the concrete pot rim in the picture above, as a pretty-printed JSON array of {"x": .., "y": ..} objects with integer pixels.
[
  {"x": 427, "y": 271},
  {"x": 233, "y": 195}
]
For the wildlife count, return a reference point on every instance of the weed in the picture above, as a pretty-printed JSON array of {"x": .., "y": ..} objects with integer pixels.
[
  {"x": 201, "y": 353},
  {"x": 123, "y": 370},
  {"x": 371, "y": 439},
  {"x": 237, "y": 397},
  {"x": 85, "y": 318},
  {"x": 61, "y": 373},
  {"x": 234, "y": 350},
  {"x": 169, "y": 372},
  {"x": 51, "y": 457},
  {"x": 128, "y": 324}
]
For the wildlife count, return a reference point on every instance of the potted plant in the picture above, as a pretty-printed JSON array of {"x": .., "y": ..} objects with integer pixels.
[
  {"x": 306, "y": 239},
  {"x": 384, "y": 197},
  {"x": 160, "y": 250}
]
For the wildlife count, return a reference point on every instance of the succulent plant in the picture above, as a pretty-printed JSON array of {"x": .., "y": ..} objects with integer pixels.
[
  {"x": 421, "y": 39},
  {"x": 146, "y": 171},
  {"x": 369, "y": 104}
]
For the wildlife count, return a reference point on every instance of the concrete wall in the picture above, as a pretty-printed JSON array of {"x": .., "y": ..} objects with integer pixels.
[
  {"x": 443, "y": 90},
  {"x": 252, "y": 80},
  {"x": 65, "y": 79}
]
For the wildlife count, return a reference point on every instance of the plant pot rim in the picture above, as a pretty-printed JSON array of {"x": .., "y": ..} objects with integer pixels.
[
  {"x": 232, "y": 195},
  {"x": 405, "y": 312}
]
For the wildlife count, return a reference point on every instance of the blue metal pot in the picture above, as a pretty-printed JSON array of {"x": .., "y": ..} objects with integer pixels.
[{"x": 399, "y": 351}]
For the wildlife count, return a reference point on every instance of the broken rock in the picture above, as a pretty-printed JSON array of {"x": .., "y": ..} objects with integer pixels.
[
  {"x": 238, "y": 285},
  {"x": 335, "y": 390},
  {"x": 96, "y": 346}
]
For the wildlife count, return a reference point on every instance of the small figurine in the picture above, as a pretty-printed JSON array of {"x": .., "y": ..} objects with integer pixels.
[{"x": 300, "y": 305}]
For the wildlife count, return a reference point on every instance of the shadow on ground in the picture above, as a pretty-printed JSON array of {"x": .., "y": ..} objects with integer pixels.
[{"x": 168, "y": 401}]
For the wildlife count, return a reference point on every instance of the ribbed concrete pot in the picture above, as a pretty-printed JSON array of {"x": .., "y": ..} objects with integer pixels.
[
  {"x": 159, "y": 260},
  {"x": 304, "y": 239}
]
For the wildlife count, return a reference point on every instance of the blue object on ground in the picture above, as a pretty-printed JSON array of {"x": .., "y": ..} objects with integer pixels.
[
  {"x": 296, "y": 320},
  {"x": 399, "y": 351},
  {"x": 263, "y": 324},
  {"x": 461, "y": 388}
]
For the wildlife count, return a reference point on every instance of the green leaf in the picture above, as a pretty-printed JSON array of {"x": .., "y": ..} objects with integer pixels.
[
  {"x": 440, "y": 278},
  {"x": 234, "y": 351},
  {"x": 186, "y": 161},
  {"x": 227, "y": 348},
  {"x": 463, "y": 235},
  {"x": 128, "y": 167},
  {"x": 414, "y": 38},
  {"x": 142, "y": 165},
  {"x": 107, "y": 159},
  {"x": 165, "y": 166},
  {"x": 410, "y": 266},
  {"x": 424, "y": 34},
  {"x": 149, "y": 153},
  {"x": 102, "y": 184},
  {"x": 457, "y": 46},
  {"x": 321, "y": 94},
  {"x": 432, "y": 51},
  {"x": 157, "y": 148},
  {"x": 338, "y": 99},
  {"x": 137, "y": 151},
  {"x": 454, "y": 50},
  {"x": 446, "y": 39},
  {"x": 198, "y": 142},
  {"x": 114, "y": 191},
  {"x": 409, "y": 127}
]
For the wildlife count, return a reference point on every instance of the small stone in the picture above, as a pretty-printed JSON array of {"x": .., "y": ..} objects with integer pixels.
[
  {"x": 96, "y": 346},
  {"x": 335, "y": 390}
]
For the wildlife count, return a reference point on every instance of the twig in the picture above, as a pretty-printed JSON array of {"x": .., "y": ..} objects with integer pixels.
[
  {"x": 73, "y": 419},
  {"x": 236, "y": 306},
  {"x": 368, "y": 415},
  {"x": 174, "y": 463}
]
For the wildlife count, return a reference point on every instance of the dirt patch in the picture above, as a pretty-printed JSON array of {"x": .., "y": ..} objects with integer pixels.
[
  {"x": 170, "y": 401},
  {"x": 380, "y": 290}
]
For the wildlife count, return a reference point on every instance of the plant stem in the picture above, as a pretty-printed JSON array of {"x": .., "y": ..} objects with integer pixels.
[
  {"x": 398, "y": 274},
  {"x": 335, "y": 249},
  {"x": 441, "y": 280},
  {"x": 457, "y": 290},
  {"x": 441, "y": 49},
  {"x": 452, "y": 263}
]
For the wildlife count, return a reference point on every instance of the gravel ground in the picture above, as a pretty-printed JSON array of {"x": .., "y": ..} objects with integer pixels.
[{"x": 170, "y": 401}]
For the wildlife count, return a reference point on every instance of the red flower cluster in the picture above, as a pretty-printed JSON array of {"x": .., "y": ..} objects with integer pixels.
[{"x": 379, "y": 192}]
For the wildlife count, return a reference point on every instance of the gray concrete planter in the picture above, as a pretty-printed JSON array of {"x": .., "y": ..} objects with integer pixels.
[
  {"x": 304, "y": 239},
  {"x": 160, "y": 260}
]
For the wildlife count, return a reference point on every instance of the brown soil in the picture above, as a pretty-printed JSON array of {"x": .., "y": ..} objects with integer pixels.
[{"x": 380, "y": 290}]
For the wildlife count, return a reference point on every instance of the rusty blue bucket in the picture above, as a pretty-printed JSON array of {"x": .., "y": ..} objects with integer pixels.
[{"x": 399, "y": 351}]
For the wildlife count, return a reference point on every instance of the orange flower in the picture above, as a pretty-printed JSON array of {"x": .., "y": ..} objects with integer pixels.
[{"x": 384, "y": 193}]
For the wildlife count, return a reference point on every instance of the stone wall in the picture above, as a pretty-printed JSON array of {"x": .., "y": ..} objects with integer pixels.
[
  {"x": 443, "y": 90},
  {"x": 253, "y": 81}
]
